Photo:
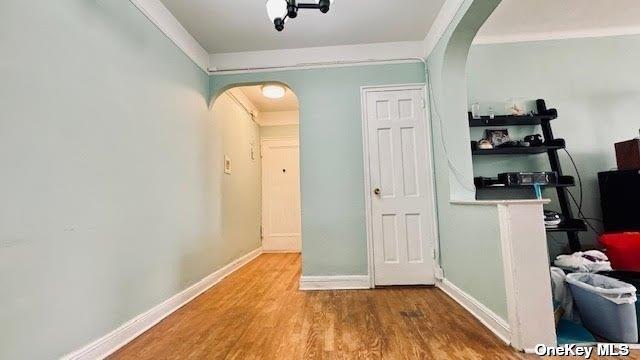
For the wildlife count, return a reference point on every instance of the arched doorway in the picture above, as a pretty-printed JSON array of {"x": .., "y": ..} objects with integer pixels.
[{"x": 259, "y": 153}]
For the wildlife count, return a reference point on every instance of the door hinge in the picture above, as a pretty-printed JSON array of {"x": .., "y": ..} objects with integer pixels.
[{"x": 424, "y": 103}]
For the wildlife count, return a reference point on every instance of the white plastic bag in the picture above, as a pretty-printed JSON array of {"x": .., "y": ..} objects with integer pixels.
[
  {"x": 611, "y": 289},
  {"x": 587, "y": 261},
  {"x": 562, "y": 294}
]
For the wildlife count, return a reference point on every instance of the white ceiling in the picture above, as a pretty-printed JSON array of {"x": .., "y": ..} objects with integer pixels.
[
  {"x": 254, "y": 93},
  {"x": 532, "y": 19},
  {"x": 222, "y": 26}
]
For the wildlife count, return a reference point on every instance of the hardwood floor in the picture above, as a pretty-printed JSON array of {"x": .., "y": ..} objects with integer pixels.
[{"x": 259, "y": 313}]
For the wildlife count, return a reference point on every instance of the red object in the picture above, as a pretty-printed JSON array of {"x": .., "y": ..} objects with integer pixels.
[
  {"x": 628, "y": 154},
  {"x": 623, "y": 250}
]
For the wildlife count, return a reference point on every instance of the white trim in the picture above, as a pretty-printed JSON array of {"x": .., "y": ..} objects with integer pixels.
[
  {"x": 440, "y": 24},
  {"x": 312, "y": 56},
  {"x": 164, "y": 20},
  {"x": 367, "y": 181},
  {"x": 488, "y": 318},
  {"x": 319, "y": 65},
  {"x": 556, "y": 35},
  {"x": 367, "y": 189},
  {"x": 108, "y": 344},
  {"x": 279, "y": 138},
  {"x": 285, "y": 123},
  {"x": 339, "y": 282},
  {"x": 499, "y": 202},
  {"x": 280, "y": 252}
]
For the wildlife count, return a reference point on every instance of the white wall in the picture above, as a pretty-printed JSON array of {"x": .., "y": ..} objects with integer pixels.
[
  {"x": 279, "y": 118},
  {"x": 242, "y": 189},
  {"x": 284, "y": 131}
]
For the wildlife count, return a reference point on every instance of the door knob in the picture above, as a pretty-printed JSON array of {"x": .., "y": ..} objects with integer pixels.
[{"x": 376, "y": 191}]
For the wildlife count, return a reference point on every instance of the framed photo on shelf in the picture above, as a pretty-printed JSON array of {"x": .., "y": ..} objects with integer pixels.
[{"x": 497, "y": 137}]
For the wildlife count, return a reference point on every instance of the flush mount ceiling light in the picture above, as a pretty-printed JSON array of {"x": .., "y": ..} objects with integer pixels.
[
  {"x": 281, "y": 10},
  {"x": 273, "y": 91}
]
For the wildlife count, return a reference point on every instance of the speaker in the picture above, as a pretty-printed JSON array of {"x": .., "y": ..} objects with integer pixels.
[{"x": 620, "y": 200}]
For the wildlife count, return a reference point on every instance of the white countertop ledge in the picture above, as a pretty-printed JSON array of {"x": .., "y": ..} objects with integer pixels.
[{"x": 500, "y": 202}]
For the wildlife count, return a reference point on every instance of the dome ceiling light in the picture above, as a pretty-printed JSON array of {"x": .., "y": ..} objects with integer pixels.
[
  {"x": 273, "y": 91},
  {"x": 281, "y": 10}
]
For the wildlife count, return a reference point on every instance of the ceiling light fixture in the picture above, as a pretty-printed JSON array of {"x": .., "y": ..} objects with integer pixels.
[
  {"x": 281, "y": 10},
  {"x": 273, "y": 91}
]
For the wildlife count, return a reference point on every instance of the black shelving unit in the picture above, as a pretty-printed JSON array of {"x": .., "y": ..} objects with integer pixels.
[
  {"x": 485, "y": 183},
  {"x": 516, "y": 150},
  {"x": 512, "y": 120},
  {"x": 570, "y": 225}
]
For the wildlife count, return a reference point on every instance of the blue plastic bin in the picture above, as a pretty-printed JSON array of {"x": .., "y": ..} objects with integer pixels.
[
  {"x": 606, "y": 306},
  {"x": 630, "y": 277}
]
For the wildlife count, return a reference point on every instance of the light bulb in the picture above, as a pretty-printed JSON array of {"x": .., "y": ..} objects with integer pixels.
[{"x": 276, "y": 9}]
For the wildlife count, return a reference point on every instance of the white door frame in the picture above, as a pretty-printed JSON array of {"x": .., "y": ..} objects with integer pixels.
[
  {"x": 364, "y": 90},
  {"x": 264, "y": 142}
]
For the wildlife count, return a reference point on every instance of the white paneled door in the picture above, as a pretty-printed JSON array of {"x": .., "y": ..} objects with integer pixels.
[
  {"x": 281, "y": 196},
  {"x": 401, "y": 213}
]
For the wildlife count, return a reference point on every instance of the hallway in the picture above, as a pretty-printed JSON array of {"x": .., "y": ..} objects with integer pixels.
[{"x": 259, "y": 313}]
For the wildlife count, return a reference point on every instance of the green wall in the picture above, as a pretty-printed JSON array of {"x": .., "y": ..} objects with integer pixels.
[
  {"x": 470, "y": 250},
  {"x": 332, "y": 170},
  {"x": 594, "y": 85},
  {"x": 110, "y": 175}
]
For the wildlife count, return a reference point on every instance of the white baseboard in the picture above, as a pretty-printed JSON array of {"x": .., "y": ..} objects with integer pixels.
[
  {"x": 340, "y": 282},
  {"x": 121, "y": 336},
  {"x": 281, "y": 252},
  {"x": 488, "y": 318}
]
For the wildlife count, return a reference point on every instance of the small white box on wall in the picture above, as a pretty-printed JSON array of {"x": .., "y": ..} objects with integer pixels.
[{"x": 227, "y": 165}]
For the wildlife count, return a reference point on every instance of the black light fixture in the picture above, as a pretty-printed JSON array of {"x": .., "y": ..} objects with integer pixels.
[{"x": 281, "y": 10}]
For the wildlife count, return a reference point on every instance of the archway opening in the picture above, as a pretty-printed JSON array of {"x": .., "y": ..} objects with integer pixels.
[{"x": 259, "y": 151}]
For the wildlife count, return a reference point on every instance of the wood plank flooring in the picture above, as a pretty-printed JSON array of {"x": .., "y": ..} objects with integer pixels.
[{"x": 259, "y": 313}]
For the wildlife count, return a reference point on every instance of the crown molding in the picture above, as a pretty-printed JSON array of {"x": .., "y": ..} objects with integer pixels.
[
  {"x": 440, "y": 24},
  {"x": 339, "y": 55},
  {"x": 164, "y": 20},
  {"x": 556, "y": 35},
  {"x": 305, "y": 57}
]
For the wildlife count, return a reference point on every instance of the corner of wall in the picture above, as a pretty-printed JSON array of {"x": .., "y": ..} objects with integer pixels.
[{"x": 454, "y": 171}]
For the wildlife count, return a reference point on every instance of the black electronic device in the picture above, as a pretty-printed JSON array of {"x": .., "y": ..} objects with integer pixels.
[
  {"x": 534, "y": 140},
  {"x": 528, "y": 178},
  {"x": 620, "y": 199},
  {"x": 552, "y": 219}
]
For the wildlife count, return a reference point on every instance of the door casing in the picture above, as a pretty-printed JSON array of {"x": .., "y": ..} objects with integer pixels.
[{"x": 364, "y": 90}]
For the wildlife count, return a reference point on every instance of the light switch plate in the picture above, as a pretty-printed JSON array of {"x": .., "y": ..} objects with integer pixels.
[{"x": 227, "y": 165}]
